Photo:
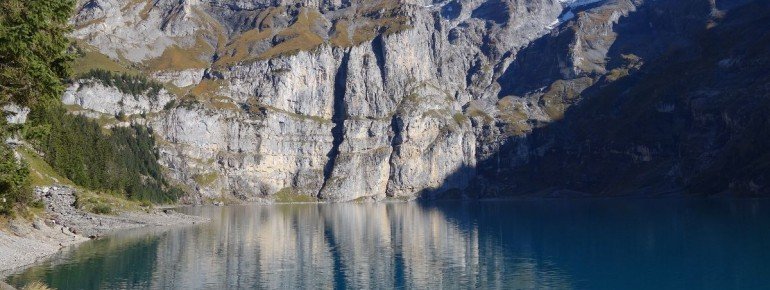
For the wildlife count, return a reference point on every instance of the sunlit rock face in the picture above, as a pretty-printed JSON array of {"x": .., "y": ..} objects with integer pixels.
[
  {"x": 337, "y": 100},
  {"x": 103, "y": 99},
  {"x": 352, "y": 100}
]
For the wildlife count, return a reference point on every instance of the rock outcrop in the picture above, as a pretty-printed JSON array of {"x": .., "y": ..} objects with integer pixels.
[{"x": 97, "y": 97}]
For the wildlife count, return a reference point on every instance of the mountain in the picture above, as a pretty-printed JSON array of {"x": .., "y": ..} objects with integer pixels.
[
  {"x": 682, "y": 111},
  {"x": 348, "y": 100}
]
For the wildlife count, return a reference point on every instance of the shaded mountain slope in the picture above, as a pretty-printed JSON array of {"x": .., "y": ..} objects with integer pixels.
[{"x": 692, "y": 120}]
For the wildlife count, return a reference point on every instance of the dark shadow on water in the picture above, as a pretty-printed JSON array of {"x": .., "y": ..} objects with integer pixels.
[
  {"x": 339, "y": 276},
  {"x": 636, "y": 243}
]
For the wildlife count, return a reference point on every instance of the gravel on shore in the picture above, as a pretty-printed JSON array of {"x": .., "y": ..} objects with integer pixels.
[{"x": 26, "y": 242}]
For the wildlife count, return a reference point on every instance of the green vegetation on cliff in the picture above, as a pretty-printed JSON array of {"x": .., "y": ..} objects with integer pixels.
[
  {"x": 127, "y": 83},
  {"x": 125, "y": 160},
  {"x": 33, "y": 64}
]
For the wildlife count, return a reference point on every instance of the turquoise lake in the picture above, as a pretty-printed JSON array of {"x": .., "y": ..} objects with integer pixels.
[{"x": 524, "y": 244}]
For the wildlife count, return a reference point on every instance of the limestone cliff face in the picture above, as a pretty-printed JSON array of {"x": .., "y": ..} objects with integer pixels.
[
  {"x": 347, "y": 100},
  {"x": 102, "y": 99},
  {"x": 371, "y": 103}
]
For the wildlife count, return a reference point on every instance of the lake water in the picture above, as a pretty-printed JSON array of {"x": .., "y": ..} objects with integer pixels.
[{"x": 536, "y": 244}]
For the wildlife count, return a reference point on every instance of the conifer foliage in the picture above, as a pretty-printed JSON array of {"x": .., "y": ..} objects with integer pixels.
[
  {"x": 127, "y": 83},
  {"x": 33, "y": 63},
  {"x": 33, "y": 49},
  {"x": 123, "y": 160}
]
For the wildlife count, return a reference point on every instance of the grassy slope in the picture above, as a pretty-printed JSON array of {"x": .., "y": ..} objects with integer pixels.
[{"x": 43, "y": 175}]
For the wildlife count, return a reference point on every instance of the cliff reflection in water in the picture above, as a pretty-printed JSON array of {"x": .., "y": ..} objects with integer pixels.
[
  {"x": 330, "y": 246},
  {"x": 585, "y": 244},
  {"x": 300, "y": 247}
]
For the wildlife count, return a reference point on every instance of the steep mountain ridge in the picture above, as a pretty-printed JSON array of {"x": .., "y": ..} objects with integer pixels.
[
  {"x": 692, "y": 119},
  {"x": 347, "y": 100}
]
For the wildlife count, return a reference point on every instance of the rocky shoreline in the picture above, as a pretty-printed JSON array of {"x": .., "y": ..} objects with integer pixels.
[{"x": 26, "y": 242}]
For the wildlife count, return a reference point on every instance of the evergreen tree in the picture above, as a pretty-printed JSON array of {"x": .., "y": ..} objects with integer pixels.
[
  {"x": 125, "y": 160},
  {"x": 33, "y": 49},
  {"x": 33, "y": 63},
  {"x": 14, "y": 181}
]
